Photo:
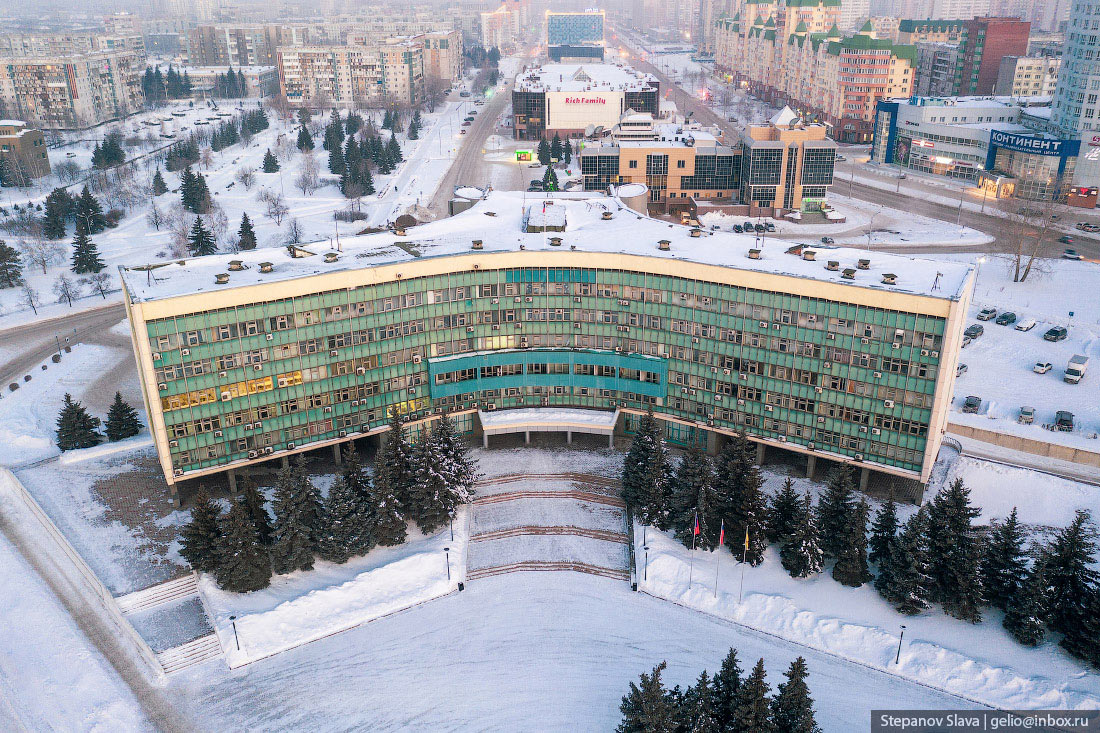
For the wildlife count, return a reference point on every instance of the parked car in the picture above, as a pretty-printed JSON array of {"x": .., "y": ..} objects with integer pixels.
[
  {"x": 1006, "y": 319},
  {"x": 1065, "y": 239},
  {"x": 987, "y": 314},
  {"x": 1063, "y": 420},
  {"x": 1057, "y": 333},
  {"x": 466, "y": 123},
  {"x": 827, "y": 240},
  {"x": 737, "y": 228},
  {"x": 760, "y": 229},
  {"x": 841, "y": 158},
  {"x": 1070, "y": 254},
  {"x": 1088, "y": 227},
  {"x": 748, "y": 226},
  {"x": 769, "y": 226},
  {"x": 1025, "y": 325},
  {"x": 960, "y": 370},
  {"x": 1075, "y": 370},
  {"x": 463, "y": 94},
  {"x": 972, "y": 404},
  {"x": 1042, "y": 367},
  {"x": 966, "y": 342},
  {"x": 1026, "y": 416},
  {"x": 973, "y": 331}
]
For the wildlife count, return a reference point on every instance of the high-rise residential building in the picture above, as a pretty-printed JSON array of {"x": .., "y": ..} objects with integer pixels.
[
  {"x": 853, "y": 14},
  {"x": 498, "y": 28},
  {"x": 1076, "y": 107},
  {"x": 574, "y": 29},
  {"x": 936, "y": 66},
  {"x": 795, "y": 55},
  {"x": 1027, "y": 76},
  {"x": 930, "y": 31},
  {"x": 74, "y": 91},
  {"x": 1051, "y": 16},
  {"x": 568, "y": 301},
  {"x": 66, "y": 44},
  {"x": 347, "y": 75},
  {"x": 983, "y": 45}
]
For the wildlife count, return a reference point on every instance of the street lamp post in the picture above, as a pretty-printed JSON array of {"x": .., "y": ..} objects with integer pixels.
[
  {"x": 645, "y": 570},
  {"x": 233, "y": 621},
  {"x": 447, "y": 554},
  {"x": 897, "y": 658}
]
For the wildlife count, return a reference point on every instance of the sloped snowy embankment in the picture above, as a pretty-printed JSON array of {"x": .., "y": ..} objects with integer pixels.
[
  {"x": 305, "y": 606},
  {"x": 979, "y": 662}
]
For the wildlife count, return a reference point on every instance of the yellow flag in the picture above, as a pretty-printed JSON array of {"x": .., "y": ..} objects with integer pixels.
[{"x": 746, "y": 539}]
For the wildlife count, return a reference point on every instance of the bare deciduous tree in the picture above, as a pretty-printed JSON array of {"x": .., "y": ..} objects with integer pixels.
[
  {"x": 66, "y": 289},
  {"x": 67, "y": 171},
  {"x": 246, "y": 176},
  {"x": 1032, "y": 230},
  {"x": 30, "y": 298},
  {"x": 308, "y": 179},
  {"x": 99, "y": 283},
  {"x": 42, "y": 252},
  {"x": 294, "y": 232},
  {"x": 276, "y": 209},
  {"x": 156, "y": 217}
]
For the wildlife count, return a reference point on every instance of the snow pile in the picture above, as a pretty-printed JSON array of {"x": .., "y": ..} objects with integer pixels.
[
  {"x": 1042, "y": 499},
  {"x": 977, "y": 662},
  {"x": 305, "y": 606},
  {"x": 28, "y": 416},
  {"x": 103, "y": 450},
  {"x": 52, "y": 675}
]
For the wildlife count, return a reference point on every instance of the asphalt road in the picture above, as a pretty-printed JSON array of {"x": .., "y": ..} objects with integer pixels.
[{"x": 35, "y": 342}]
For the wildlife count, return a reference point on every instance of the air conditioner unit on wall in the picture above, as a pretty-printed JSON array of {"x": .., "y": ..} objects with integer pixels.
[{"x": 888, "y": 403}]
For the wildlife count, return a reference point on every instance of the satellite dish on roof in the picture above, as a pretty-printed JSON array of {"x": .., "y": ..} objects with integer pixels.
[{"x": 589, "y": 131}]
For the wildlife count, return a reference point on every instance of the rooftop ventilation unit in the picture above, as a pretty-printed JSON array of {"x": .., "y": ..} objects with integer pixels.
[
  {"x": 754, "y": 254},
  {"x": 833, "y": 265},
  {"x": 221, "y": 278},
  {"x": 808, "y": 254},
  {"x": 864, "y": 264},
  {"x": 266, "y": 267},
  {"x": 849, "y": 273},
  {"x": 236, "y": 265},
  {"x": 331, "y": 257},
  {"x": 664, "y": 245},
  {"x": 478, "y": 244},
  {"x": 889, "y": 278}
]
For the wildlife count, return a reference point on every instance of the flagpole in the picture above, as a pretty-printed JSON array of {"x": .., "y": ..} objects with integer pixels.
[
  {"x": 694, "y": 534},
  {"x": 718, "y": 557},
  {"x": 744, "y": 559}
]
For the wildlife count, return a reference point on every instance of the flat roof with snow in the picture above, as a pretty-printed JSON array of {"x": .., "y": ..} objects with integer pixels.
[
  {"x": 499, "y": 221},
  {"x": 584, "y": 78}
]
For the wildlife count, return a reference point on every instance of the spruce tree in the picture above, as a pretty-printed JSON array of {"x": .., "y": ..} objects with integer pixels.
[
  {"x": 884, "y": 531},
  {"x": 909, "y": 588},
  {"x": 339, "y": 519},
  {"x": 390, "y": 490},
  {"x": 305, "y": 140},
  {"x": 75, "y": 427},
  {"x": 637, "y": 461},
  {"x": 122, "y": 420},
  {"x": 254, "y": 500},
  {"x": 357, "y": 482},
  {"x": 783, "y": 513},
  {"x": 1069, "y": 573},
  {"x": 297, "y": 526},
  {"x": 393, "y": 150},
  {"x": 567, "y": 149},
  {"x": 647, "y": 708},
  {"x": 697, "y": 713},
  {"x": 367, "y": 181},
  {"x": 954, "y": 554},
  {"x": 1083, "y": 638},
  {"x": 555, "y": 148},
  {"x": 159, "y": 186},
  {"x": 792, "y": 707},
  {"x": 801, "y": 555},
  {"x": 11, "y": 266},
  {"x": 753, "y": 711},
  {"x": 188, "y": 190},
  {"x": 444, "y": 477},
  {"x": 543, "y": 153},
  {"x": 271, "y": 165},
  {"x": 57, "y": 211},
  {"x": 246, "y": 235},
  {"x": 647, "y": 475},
  {"x": 200, "y": 539},
  {"x": 693, "y": 500},
  {"x": 727, "y": 684},
  {"x": 201, "y": 241},
  {"x": 243, "y": 562},
  {"x": 89, "y": 212},
  {"x": 851, "y": 563},
  {"x": 1026, "y": 611},
  {"x": 336, "y": 160},
  {"x": 1004, "y": 564},
  {"x": 739, "y": 487},
  {"x": 550, "y": 179},
  {"x": 833, "y": 510},
  {"x": 85, "y": 258}
]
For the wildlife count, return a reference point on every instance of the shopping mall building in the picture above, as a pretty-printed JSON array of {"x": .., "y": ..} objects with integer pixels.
[{"x": 576, "y": 308}]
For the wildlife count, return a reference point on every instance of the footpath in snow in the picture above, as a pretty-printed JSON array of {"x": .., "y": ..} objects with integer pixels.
[{"x": 978, "y": 662}]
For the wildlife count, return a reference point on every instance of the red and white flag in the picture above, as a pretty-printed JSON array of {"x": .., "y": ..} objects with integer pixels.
[
  {"x": 697, "y": 523},
  {"x": 722, "y": 533}
]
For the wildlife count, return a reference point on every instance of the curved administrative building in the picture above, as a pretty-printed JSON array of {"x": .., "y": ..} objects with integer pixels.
[{"x": 567, "y": 300}]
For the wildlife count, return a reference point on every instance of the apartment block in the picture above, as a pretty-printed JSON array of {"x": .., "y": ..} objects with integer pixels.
[
  {"x": 936, "y": 66},
  {"x": 72, "y": 92},
  {"x": 846, "y": 358},
  {"x": 23, "y": 150},
  {"x": 985, "y": 43},
  {"x": 1027, "y": 76},
  {"x": 350, "y": 74}
]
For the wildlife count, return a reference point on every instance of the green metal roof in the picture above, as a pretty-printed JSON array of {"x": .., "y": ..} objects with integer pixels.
[{"x": 936, "y": 26}]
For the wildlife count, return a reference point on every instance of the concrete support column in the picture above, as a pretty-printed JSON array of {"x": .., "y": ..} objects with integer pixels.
[
  {"x": 527, "y": 437},
  {"x": 174, "y": 495},
  {"x": 336, "y": 455},
  {"x": 231, "y": 475},
  {"x": 569, "y": 437},
  {"x": 611, "y": 440},
  {"x": 811, "y": 464},
  {"x": 484, "y": 440},
  {"x": 284, "y": 461},
  {"x": 712, "y": 443},
  {"x": 864, "y": 478},
  {"x": 760, "y": 448}
]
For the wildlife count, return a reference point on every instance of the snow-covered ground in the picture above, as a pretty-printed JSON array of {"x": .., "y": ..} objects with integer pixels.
[
  {"x": 552, "y": 651},
  {"x": 51, "y": 675},
  {"x": 999, "y": 363},
  {"x": 308, "y": 605},
  {"x": 546, "y": 512},
  {"x": 978, "y": 662}
]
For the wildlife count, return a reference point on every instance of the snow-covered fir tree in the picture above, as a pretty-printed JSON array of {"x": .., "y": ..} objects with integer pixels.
[
  {"x": 1026, "y": 611},
  {"x": 358, "y": 483},
  {"x": 801, "y": 555},
  {"x": 739, "y": 488},
  {"x": 75, "y": 427},
  {"x": 122, "y": 420},
  {"x": 297, "y": 527},
  {"x": 647, "y": 473},
  {"x": 851, "y": 563},
  {"x": 246, "y": 235},
  {"x": 243, "y": 562},
  {"x": 693, "y": 499},
  {"x": 201, "y": 241},
  {"x": 158, "y": 185},
  {"x": 884, "y": 531},
  {"x": 648, "y": 707},
  {"x": 444, "y": 476},
  {"x": 271, "y": 164},
  {"x": 254, "y": 500},
  {"x": 909, "y": 587},
  {"x": 727, "y": 683},
  {"x": 1083, "y": 638},
  {"x": 305, "y": 140},
  {"x": 783, "y": 513},
  {"x": 342, "y": 512},
  {"x": 1004, "y": 562},
  {"x": 200, "y": 538},
  {"x": 753, "y": 711},
  {"x": 697, "y": 710},
  {"x": 834, "y": 509},
  {"x": 954, "y": 553},
  {"x": 394, "y": 472},
  {"x": 792, "y": 706}
]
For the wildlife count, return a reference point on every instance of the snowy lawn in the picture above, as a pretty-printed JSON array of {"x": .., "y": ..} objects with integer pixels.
[
  {"x": 504, "y": 461},
  {"x": 304, "y": 606},
  {"x": 979, "y": 662},
  {"x": 52, "y": 676},
  {"x": 546, "y": 512},
  {"x": 548, "y": 548},
  {"x": 528, "y": 651}
]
